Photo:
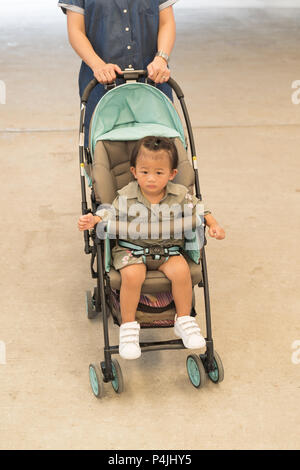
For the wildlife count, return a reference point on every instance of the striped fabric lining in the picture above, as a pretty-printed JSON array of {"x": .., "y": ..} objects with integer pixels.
[{"x": 158, "y": 300}]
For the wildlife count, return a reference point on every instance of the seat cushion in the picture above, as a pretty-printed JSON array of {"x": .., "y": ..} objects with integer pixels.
[{"x": 156, "y": 281}]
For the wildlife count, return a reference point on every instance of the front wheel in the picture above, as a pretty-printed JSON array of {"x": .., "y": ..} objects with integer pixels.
[
  {"x": 196, "y": 371},
  {"x": 217, "y": 374},
  {"x": 117, "y": 382},
  {"x": 96, "y": 380}
]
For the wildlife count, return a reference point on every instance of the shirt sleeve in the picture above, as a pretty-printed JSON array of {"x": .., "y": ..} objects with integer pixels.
[
  {"x": 74, "y": 5},
  {"x": 109, "y": 211},
  {"x": 166, "y": 3},
  {"x": 204, "y": 209}
]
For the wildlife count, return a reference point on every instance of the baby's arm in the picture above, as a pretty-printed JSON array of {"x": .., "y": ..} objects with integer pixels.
[
  {"x": 214, "y": 228},
  {"x": 88, "y": 221}
]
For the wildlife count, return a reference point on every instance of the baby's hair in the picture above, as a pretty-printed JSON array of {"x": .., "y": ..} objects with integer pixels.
[{"x": 156, "y": 144}]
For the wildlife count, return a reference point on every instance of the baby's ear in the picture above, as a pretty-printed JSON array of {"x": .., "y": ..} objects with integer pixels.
[
  {"x": 132, "y": 169},
  {"x": 173, "y": 174}
]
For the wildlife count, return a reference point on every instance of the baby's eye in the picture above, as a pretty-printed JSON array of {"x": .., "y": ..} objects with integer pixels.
[{"x": 160, "y": 173}]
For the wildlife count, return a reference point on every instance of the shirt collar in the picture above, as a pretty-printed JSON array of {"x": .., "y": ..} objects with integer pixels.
[{"x": 134, "y": 191}]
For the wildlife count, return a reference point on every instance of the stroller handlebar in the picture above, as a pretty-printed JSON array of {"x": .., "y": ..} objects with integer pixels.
[{"x": 128, "y": 75}]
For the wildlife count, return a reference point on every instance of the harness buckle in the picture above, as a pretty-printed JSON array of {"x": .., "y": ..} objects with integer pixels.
[{"x": 157, "y": 250}]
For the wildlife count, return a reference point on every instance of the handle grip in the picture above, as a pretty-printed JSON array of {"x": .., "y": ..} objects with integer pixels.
[{"x": 128, "y": 75}]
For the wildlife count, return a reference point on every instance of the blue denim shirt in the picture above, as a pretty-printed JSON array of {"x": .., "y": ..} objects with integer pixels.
[{"x": 123, "y": 32}]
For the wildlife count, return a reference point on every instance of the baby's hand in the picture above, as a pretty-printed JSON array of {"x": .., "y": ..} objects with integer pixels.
[
  {"x": 86, "y": 222},
  {"x": 216, "y": 231}
]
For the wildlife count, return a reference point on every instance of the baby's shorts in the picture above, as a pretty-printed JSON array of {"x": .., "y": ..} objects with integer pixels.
[{"x": 123, "y": 257}]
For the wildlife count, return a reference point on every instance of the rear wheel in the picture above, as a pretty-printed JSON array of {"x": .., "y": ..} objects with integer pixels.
[
  {"x": 217, "y": 374},
  {"x": 90, "y": 305},
  {"x": 117, "y": 382}
]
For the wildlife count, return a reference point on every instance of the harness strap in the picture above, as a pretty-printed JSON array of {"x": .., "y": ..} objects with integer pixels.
[{"x": 138, "y": 250}]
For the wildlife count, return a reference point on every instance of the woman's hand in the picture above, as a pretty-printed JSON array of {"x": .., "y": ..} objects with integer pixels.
[
  {"x": 158, "y": 71},
  {"x": 106, "y": 73},
  {"x": 216, "y": 231},
  {"x": 87, "y": 221}
]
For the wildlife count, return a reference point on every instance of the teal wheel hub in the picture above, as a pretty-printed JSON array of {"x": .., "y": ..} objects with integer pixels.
[
  {"x": 193, "y": 372},
  {"x": 214, "y": 374},
  {"x": 115, "y": 382},
  {"x": 96, "y": 380},
  {"x": 196, "y": 371}
]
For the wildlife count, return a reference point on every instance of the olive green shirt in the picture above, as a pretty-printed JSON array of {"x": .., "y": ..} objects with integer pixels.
[{"x": 131, "y": 204}]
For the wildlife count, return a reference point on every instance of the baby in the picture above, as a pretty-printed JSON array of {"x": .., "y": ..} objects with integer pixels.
[{"x": 154, "y": 165}]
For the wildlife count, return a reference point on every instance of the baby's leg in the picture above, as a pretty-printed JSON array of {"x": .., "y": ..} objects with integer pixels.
[
  {"x": 133, "y": 277},
  {"x": 177, "y": 270},
  {"x": 185, "y": 326}
]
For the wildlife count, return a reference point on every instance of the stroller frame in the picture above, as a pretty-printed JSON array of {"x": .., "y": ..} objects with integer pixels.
[{"x": 210, "y": 359}]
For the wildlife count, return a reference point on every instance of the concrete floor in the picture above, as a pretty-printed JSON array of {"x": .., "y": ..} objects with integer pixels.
[{"x": 236, "y": 67}]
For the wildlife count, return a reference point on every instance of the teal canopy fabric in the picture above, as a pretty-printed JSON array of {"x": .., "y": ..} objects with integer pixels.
[{"x": 133, "y": 111}]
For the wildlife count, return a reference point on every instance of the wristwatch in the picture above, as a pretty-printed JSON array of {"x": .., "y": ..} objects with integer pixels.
[{"x": 163, "y": 55}]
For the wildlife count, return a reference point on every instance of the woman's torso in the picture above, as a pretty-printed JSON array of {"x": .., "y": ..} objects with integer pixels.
[{"x": 123, "y": 32}]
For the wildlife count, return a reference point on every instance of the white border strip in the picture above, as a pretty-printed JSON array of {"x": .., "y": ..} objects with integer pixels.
[
  {"x": 166, "y": 4},
  {"x": 71, "y": 7}
]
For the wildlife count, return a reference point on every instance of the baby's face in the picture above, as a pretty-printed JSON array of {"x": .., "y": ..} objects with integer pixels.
[{"x": 153, "y": 171}]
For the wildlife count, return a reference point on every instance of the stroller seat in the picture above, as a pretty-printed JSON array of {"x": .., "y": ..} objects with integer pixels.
[{"x": 109, "y": 173}]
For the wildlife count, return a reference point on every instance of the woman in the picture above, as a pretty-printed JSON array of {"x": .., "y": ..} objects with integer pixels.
[{"x": 111, "y": 36}]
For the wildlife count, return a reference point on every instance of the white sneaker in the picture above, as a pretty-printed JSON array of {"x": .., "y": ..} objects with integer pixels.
[
  {"x": 188, "y": 330},
  {"x": 129, "y": 347}
]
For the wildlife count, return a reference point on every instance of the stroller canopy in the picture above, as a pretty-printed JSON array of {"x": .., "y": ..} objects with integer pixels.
[{"x": 133, "y": 111}]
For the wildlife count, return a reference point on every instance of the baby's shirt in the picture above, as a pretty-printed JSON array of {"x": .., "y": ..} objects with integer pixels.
[{"x": 131, "y": 205}]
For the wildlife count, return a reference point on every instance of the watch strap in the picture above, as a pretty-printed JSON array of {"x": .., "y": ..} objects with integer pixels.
[{"x": 163, "y": 55}]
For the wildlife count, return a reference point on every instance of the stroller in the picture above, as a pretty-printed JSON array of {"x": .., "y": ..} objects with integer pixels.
[{"x": 126, "y": 113}]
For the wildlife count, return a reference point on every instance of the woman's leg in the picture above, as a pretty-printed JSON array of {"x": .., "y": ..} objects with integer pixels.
[{"x": 133, "y": 277}]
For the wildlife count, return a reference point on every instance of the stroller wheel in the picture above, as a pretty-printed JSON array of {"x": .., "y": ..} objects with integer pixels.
[
  {"x": 96, "y": 380},
  {"x": 90, "y": 305},
  {"x": 196, "y": 371},
  {"x": 117, "y": 383},
  {"x": 217, "y": 375}
]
